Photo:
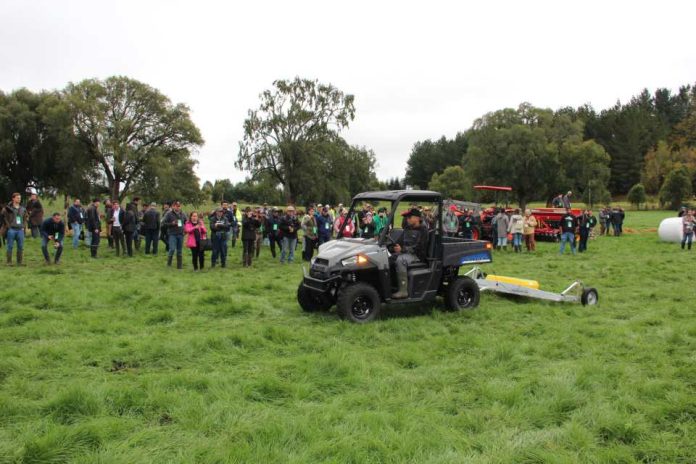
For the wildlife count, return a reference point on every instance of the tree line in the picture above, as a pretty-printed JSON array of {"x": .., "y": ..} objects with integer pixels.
[{"x": 646, "y": 146}]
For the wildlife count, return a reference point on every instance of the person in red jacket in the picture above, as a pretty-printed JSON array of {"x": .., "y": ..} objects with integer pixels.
[{"x": 196, "y": 234}]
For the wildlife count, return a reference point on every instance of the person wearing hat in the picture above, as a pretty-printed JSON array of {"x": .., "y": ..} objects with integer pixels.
[
  {"x": 151, "y": 228},
  {"x": 273, "y": 230},
  {"x": 324, "y": 226},
  {"x": 219, "y": 228},
  {"x": 410, "y": 248},
  {"x": 175, "y": 220},
  {"x": 289, "y": 226}
]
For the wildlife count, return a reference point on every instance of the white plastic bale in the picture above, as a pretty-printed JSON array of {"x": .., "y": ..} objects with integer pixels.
[{"x": 671, "y": 230}]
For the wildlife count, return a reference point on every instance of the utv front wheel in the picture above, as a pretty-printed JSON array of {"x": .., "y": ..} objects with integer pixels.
[
  {"x": 358, "y": 303},
  {"x": 462, "y": 293},
  {"x": 310, "y": 301}
]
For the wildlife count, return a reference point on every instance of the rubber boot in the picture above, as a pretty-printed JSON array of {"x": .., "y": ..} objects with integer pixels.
[
  {"x": 402, "y": 292},
  {"x": 179, "y": 262},
  {"x": 244, "y": 260},
  {"x": 93, "y": 251},
  {"x": 249, "y": 256},
  {"x": 682, "y": 244},
  {"x": 20, "y": 258},
  {"x": 9, "y": 258},
  {"x": 169, "y": 260}
]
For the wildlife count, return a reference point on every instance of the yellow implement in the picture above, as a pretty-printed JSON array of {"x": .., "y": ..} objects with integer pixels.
[{"x": 512, "y": 280}]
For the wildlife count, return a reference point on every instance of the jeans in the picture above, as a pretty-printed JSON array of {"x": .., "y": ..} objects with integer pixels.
[
  {"x": 502, "y": 241},
  {"x": 289, "y": 245},
  {"x": 44, "y": 249},
  {"x": 274, "y": 239},
  {"x": 219, "y": 248},
  {"x": 688, "y": 238},
  {"x": 76, "y": 228},
  {"x": 176, "y": 243},
  {"x": 517, "y": 239},
  {"x": 570, "y": 238},
  {"x": 88, "y": 237},
  {"x": 151, "y": 240},
  {"x": 617, "y": 229},
  {"x": 12, "y": 235}
]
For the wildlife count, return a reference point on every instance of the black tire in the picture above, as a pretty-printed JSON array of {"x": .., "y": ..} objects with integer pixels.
[
  {"x": 358, "y": 303},
  {"x": 462, "y": 293},
  {"x": 310, "y": 301},
  {"x": 589, "y": 297}
]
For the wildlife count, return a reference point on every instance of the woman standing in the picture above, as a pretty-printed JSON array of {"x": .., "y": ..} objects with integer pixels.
[
  {"x": 349, "y": 229},
  {"x": 530, "y": 224},
  {"x": 196, "y": 231},
  {"x": 250, "y": 224},
  {"x": 688, "y": 224},
  {"x": 516, "y": 228}
]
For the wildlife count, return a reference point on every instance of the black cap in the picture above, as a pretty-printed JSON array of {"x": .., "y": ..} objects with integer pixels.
[{"x": 412, "y": 212}]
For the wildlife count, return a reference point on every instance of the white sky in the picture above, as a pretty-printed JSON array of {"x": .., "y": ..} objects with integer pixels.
[{"x": 418, "y": 70}]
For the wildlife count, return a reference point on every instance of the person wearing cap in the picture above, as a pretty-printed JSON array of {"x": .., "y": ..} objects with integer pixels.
[
  {"x": 174, "y": 220},
  {"x": 250, "y": 224},
  {"x": 289, "y": 226},
  {"x": 273, "y": 231},
  {"x": 324, "y": 226},
  {"x": 466, "y": 225},
  {"x": 411, "y": 247},
  {"x": 310, "y": 231},
  {"x": 220, "y": 229},
  {"x": 151, "y": 229},
  {"x": 450, "y": 223},
  {"x": 52, "y": 229}
]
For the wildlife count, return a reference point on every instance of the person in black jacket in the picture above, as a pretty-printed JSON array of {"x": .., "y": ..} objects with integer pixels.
[
  {"x": 94, "y": 226},
  {"x": 174, "y": 221},
  {"x": 130, "y": 227},
  {"x": 289, "y": 225},
  {"x": 568, "y": 225},
  {"x": 411, "y": 247},
  {"x": 587, "y": 223},
  {"x": 219, "y": 230},
  {"x": 273, "y": 229},
  {"x": 115, "y": 218},
  {"x": 36, "y": 214},
  {"x": 249, "y": 226},
  {"x": 52, "y": 229},
  {"x": 76, "y": 218},
  {"x": 151, "y": 228}
]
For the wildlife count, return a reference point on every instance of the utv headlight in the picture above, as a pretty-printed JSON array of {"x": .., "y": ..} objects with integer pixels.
[{"x": 356, "y": 260}]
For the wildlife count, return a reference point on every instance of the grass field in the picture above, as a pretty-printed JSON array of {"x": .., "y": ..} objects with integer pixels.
[{"x": 125, "y": 361}]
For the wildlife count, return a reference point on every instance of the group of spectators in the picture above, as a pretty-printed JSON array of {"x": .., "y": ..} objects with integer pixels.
[{"x": 611, "y": 221}]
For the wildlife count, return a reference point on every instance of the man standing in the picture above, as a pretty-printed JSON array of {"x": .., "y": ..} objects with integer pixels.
[
  {"x": 410, "y": 248},
  {"x": 36, "y": 214},
  {"x": 310, "y": 231},
  {"x": 288, "y": 226},
  {"x": 324, "y": 226},
  {"x": 273, "y": 228},
  {"x": 450, "y": 223},
  {"x": 115, "y": 219},
  {"x": 130, "y": 227},
  {"x": 76, "y": 218},
  {"x": 235, "y": 225},
  {"x": 151, "y": 227},
  {"x": 568, "y": 226},
  {"x": 133, "y": 206},
  {"x": 174, "y": 221},
  {"x": 466, "y": 225},
  {"x": 52, "y": 229},
  {"x": 566, "y": 200},
  {"x": 587, "y": 223},
  {"x": 166, "y": 207},
  {"x": 107, "y": 214},
  {"x": 220, "y": 229},
  {"x": 15, "y": 216},
  {"x": 94, "y": 226}
]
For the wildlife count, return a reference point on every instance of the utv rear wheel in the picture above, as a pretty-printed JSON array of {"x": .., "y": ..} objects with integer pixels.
[
  {"x": 462, "y": 293},
  {"x": 358, "y": 303},
  {"x": 310, "y": 301},
  {"x": 589, "y": 297}
]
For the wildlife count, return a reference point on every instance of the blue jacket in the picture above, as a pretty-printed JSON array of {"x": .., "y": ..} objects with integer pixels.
[
  {"x": 325, "y": 225},
  {"x": 48, "y": 228}
]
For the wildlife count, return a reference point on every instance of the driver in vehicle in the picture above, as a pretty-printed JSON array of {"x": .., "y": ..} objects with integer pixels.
[{"x": 410, "y": 248}]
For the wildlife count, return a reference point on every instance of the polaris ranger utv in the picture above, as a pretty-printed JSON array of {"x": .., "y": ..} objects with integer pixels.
[{"x": 357, "y": 274}]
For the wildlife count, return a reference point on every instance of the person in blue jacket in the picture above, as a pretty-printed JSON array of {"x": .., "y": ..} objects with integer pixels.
[{"x": 325, "y": 226}]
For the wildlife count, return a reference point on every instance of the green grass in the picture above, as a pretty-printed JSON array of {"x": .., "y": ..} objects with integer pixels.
[{"x": 125, "y": 361}]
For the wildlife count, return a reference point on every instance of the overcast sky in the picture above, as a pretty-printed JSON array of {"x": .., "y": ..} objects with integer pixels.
[{"x": 418, "y": 70}]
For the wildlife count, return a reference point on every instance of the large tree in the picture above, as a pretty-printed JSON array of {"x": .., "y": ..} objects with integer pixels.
[
  {"x": 451, "y": 183},
  {"x": 287, "y": 134},
  {"x": 430, "y": 157},
  {"x": 125, "y": 124}
]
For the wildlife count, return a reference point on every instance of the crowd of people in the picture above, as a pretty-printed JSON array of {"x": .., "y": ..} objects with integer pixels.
[{"x": 216, "y": 231}]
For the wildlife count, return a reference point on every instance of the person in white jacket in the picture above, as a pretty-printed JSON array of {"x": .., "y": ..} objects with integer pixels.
[{"x": 516, "y": 227}]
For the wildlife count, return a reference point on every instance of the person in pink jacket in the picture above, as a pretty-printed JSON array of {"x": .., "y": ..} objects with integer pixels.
[
  {"x": 196, "y": 233},
  {"x": 349, "y": 230}
]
